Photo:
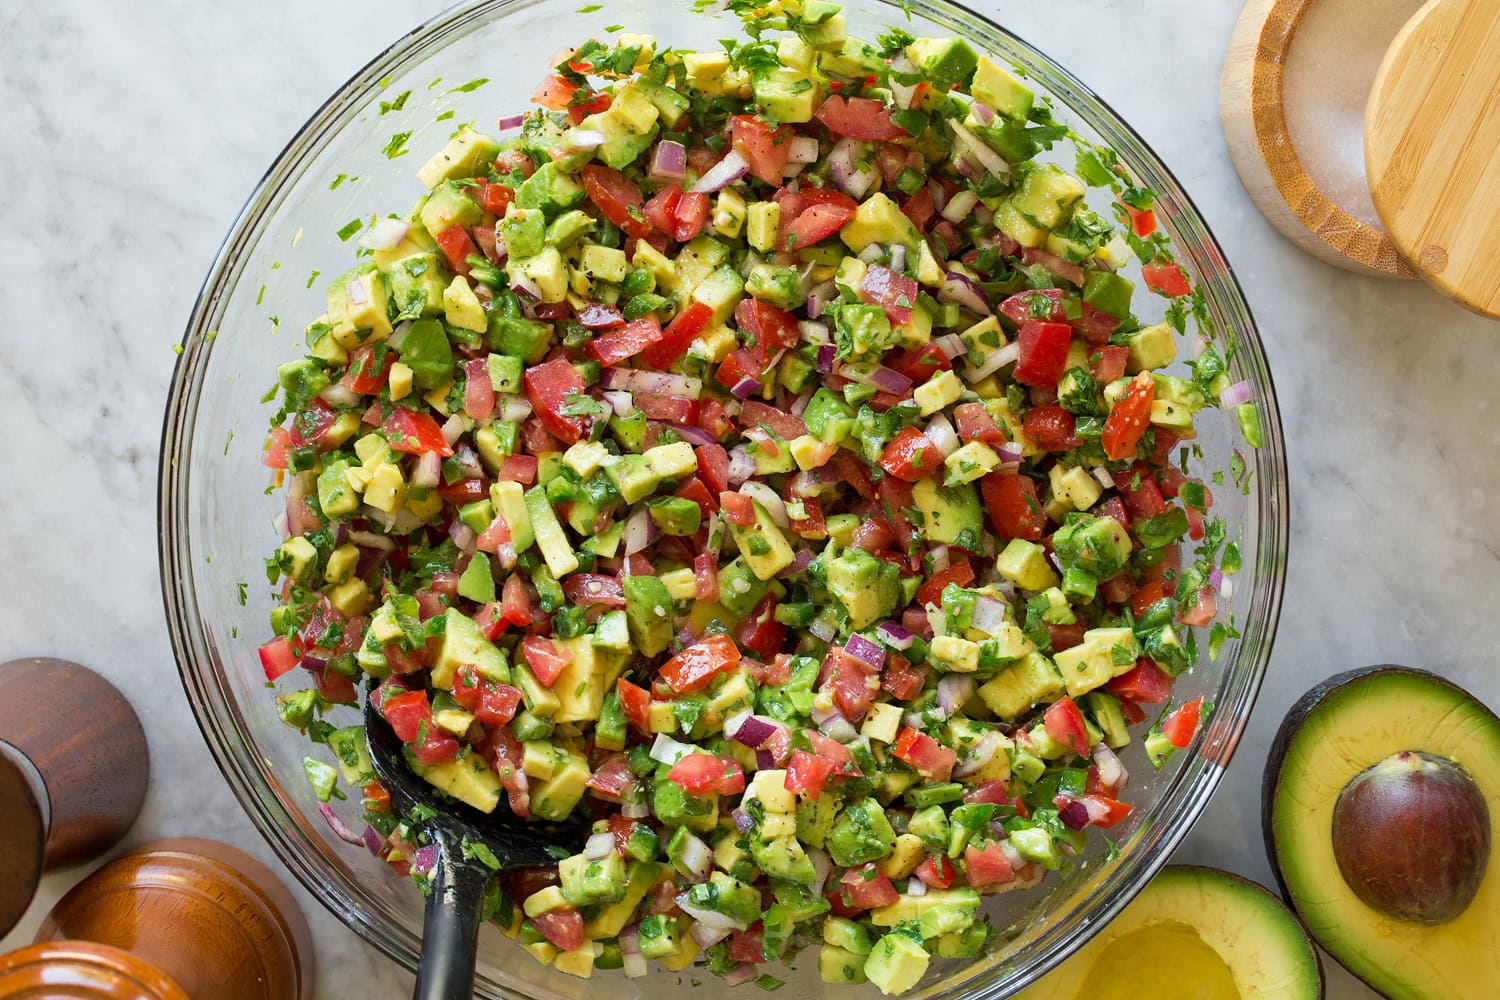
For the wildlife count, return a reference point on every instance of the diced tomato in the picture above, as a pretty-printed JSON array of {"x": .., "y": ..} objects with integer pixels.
[
  {"x": 586, "y": 589},
  {"x": 853, "y": 682},
  {"x": 873, "y": 535},
  {"x": 739, "y": 509},
  {"x": 616, "y": 196},
  {"x": 1065, "y": 636},
  {"x": 692, "y": 669},
  {"x": 974, "y": 423},
  {"x": 920, "y": 208},
  {"x": 713, "y": 418},
  {"x": 1144, "y": 682},
  {"x": 548, "y": 387},
  {"x": 895, "y": 293},
  {"x": 363, "y": 376},
  {"x": 457, "y": 247},
  {"x": 988, "y": 865},
  {"x": 960, "y": 573},
  {"x": 773, "y": 329},
  {"x": 554, "y": 93},
  {"x": 1167, "y": 279},
  {"x": 760, "y": 632},
  {"x": 1142, "y": 220},
  {"x": 622, "y": 342},
  {"x": 585, "y": 103},
  {"x": 545, "y": 659},
  {"x": 1139, "y": 492},
  {"x": 747, "y": 945},
  {"x": 635, "y": 702},
  {"x": 1146, "y": 595},
  {"x": 1132, "y": 712},
  {"x": 866, "y": 887},
  {"x": 564, "y": 928},
  {"x": 1027, "y": 305},
  {"x": 678, "y": 336},
  {"x": 690, "y": 216},
  {"x": 1161, "y": 451},
  {"x": 1051, "y": 427},
  {"x": 765, "y": 147},
  {"x": 936, "y": 871},
  {"x": 496, "y": 198},
  {"x": 900, "y": 679},
  {"x": 1117, "y": 589},
  {"x": 1107, "y": 363},
  {"x": 493, "y": 704},
  {"x": 919, "y": 363},
  {"x": 277, "y": 443},
  {"x": 705, "y": 577},
  {"x": 694, "y": 490},
  {"x": 1203, "y": 611},
  {"x": 859, "y": 118},
  {"x": 463, "y": 491},
  {"x": 911, "y": 456},
  {"x": 704, "y": 773},
  {"x": 377, "y": 798},
  {"x": 814, "y": 225},
  {"x": 713, "y": 467},
  {"x": 1065, "y": 725},
  {"x": 612, "y": 777},
  {"x": 434, "y": 746},
  {"x": 926, "y": 755},
  {"x": 1044, "y": 352},
  {"x": 517, "y": 469},
  {"x": 407, "y": 713},
  {"x": 415, "y": 433},
  {"x": 1129, "y": 418},
  {"x": 515, "y": 601},
  {"x": 661, "y": 210},
  {"x": 1105, "y": 812},
  {"x": 277, "y": 657},
  {"x": 1011, "y": 501},
  {"x": 479, "y": 391},
  {"x": 1180, "y": 726}
]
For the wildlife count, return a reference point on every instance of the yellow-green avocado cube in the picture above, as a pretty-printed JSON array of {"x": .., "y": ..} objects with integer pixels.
[{"x": 879, "y": 220}]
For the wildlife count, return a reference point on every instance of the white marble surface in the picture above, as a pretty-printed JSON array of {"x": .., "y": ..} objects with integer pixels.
[{"x": 133, "y": 132}]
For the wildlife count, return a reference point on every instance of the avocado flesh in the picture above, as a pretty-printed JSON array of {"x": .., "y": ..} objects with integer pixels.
[
  {"x": 1228, "y": 937},
  {"x": 1335, "y": 732}
]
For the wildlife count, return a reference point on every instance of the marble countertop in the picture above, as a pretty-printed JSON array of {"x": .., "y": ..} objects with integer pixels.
[{"x": 135, "y": 131}]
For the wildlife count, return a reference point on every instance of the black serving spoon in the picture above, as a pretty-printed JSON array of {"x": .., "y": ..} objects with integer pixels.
[{"x": 450, "y": 935}]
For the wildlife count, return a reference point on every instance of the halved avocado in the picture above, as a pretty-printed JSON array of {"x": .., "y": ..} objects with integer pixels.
[
  {"x": 1404, "y": 762},
  {"x": 1221, "y": 936}
]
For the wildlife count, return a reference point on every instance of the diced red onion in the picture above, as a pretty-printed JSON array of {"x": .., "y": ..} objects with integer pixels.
[
  {"x": 767, "y": 498},
  {"x": 983, "y": 112},
  {"x": 424, "y": 859},
  {"x": 661, "y": 383},
  {"x": 827, "y": 353},
  {"x": 635, "y": 810},
  {"x": 279, "y": 522},
  {"x": 894, "y": 636},
  {"x": 941, "y": 556},
  {"x": 838, "y": 728},
  {"x": 869, "y": 653},
  {"x": 467, "y": 460},
  {"x": 742, "y": 820},
  {"x": 372, "y": 841},
  {"x": 872, "y": 253},
  {"x": 764, "y": 760},
  {"x": 939, "y": 195},
  {"x": 741, "y": 466},
  {"x": 510, "y": 121},
  {"x": 818, "y": 298},
  {"x": 693, "y": 435},
  {"x": 959, "y": 206},
  {"x": 428, "y": 472},
  {"x": 976, "y": 147},
  {"x": 1009, "y": 452},
  {"x": 821, "y": 630},
  {"x": 978, "y": 753},
  {"x": 599, "y": 846},
  {"x": 1012, "y": 855},
  {"x": 706, "y": 936},
  {"x": 854, "y": 178},
  {"x": 463, "y": 536},
  {"x": 916, "y": 888},
  {"x": 335, "y": 394},
  {"x": 453, "y": 428},
  {"x": 941, "y": 433},
  {"x": 299, "y": 520},
  {"x": 801, "y": 559},
  {"x": 997, "y": 359},
  {"x": 669, "y": 751},
  {"x": 745, "y": 387},
  {"x": 1102, "y": 476},
  {"x": 964, "y": 292},
  {"x": 898, "y": 257},
  {"x": 1215, "y": 578},
  {"x": 640, "y": 531},
  {"x": 889, "y": 380},
  {"x": 1112, "y": 773},
  {"x": 792, "y": 169},
  {"x": 1074, "y": 814},
  {"x": 372, "y": 540},
  {"x": 597, "y": 316},
  {"x": 914, "y": 720},
  {"x": 697, "y": 860},
  {"x": 822, "y": 868},
  {"x": 384, "y": 234},
  {"x": 525, "y": 288},
  {"x": 668, "y": 161},
  {"x": 514, "y": 409},
  {"x": 953, "y": 691},
  {"x": 903, "y": 94},
  {"x": 621, "y": 401},
  {"x": 339, "y": 828},
  {"x": 583, "y": 138},
  {"x": 815, "y": 482},
  {"x": 989, "y": 614},
  {"x": 804, "y": 149},
  {"x": 741, "y": 974},
  {"x": 1235, "y": 395},
  {"x": 1200, "y": 346},
  {"x": 722, "y": 174}
]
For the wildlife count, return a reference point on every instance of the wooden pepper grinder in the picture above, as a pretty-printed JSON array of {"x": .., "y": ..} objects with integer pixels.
[
  {"x": 82, "y": 970},
  {"x": 73, "y": 773},
  {"x": 211, "y": 918}
]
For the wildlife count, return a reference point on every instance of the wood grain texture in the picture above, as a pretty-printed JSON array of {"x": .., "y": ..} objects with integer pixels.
[
  {"x": 1251, "y": 107},
  {"x": 87, "y": 744},
  {"x": 211, "y": 917},
  {"x": 23, "y": 835},
  {"x": 1432, "y": 148},
  {"x": 82, "y": 970}
]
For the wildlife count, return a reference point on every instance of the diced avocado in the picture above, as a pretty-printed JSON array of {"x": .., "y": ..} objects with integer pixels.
[
  {"x": 675, "y": 516},
  {"x": 828, "y": 416},
  {"x": 675, "y": 807},
  {"x": 1048, "y": 195},
  {"x": 950, "y": 515},
  {"x": 1010, "y": 221},
  {"x": 352, "y": 754},
  {"x": 550, "y": 190},
  {"x": 837, "y": 965},
  {"x": 1025, "y": 564},
  {"x": 739, "y": 588},
  {"x": 1097, "y": 545},
  {"x": 633, "y": 477},
  {"x": 786, "y": 95},
  {"x": 555, "y": 798},
  {"x": 1032, "y": 681},
  {"x": 861, "y": 834},
  {"x": 509, "y": 501},
  {"x": 550, "y": 537},
  {"x": 879, "y": 220},
  {"x": 728, "y": 896},
  {"x": 845, "y": 56},
  {"x": 780, "y": 286},
  {"x": 1105, "y": 709},
  {"x": 657, "y": 935},
  {"x": 477, "y": 582},
  {"x": 427, "y": 352},
  {"x": 670, "y": 105},
  {"x": 1036, "y": 844},
  {"x": 762, "y": 544},
  {"x": 540, "y": 701},
  {"x": 937, "y": 392},
  {"x": 465, "y": 155},
  {"x": 648, "y": 609},
  {"x": 999, "y": 89},
  {"x": 524, "y": 230},
  {"x": 896, "y": 964},
  {"x": 846, "y": 934},
  {"x": 416, "y": 284},
  {"x": 449, "y": 205},
  {"x": 868, "y": 588},
  {"x": 1109, "y": 293},
  {"x": 465, "y": 645},
  {"x": 784, "y": 858},
  {"x": 628, "y": 125},
  {"x": 762, "y": 220},
  {"x": 962, "y": 899},
  {"x": 945, "y": 62},
  {"x": 586, "y": 882},
  {"x": 468, "y": 779},
  {"x": 449, "y": 715},
  {"x": 968, "y": 463},
  {"x": 581, "y": 684},
  {"x": 546, "y": 273},
  {"x": 1076, "y": 486},
  {"x": 336, "y": 498},
  {"x": 1103, "y": 654},
  {"x": 569, "y": 228},
  {"x": 609, "y": 921}
]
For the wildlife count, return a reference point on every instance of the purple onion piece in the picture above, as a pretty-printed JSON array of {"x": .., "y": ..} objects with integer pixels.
[
  {"x": 339, "y": 828},
  {"x": 722, "y": 174},
  {"x": 742, "y": 820},
  {"x": 865, "y": 651},
  {"x": 1074, "y": 815},
  {"x": 827, "y": 353}
]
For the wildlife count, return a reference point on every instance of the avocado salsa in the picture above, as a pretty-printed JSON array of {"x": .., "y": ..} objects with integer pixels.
[{"x": 755, "y": 452}]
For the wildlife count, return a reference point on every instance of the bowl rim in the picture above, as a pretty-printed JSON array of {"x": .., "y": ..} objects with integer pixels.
[{"x": 1195, "y": 781}]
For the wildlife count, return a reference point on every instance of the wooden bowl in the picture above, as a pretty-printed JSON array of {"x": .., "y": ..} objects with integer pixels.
[
  {"x": 211, "y": 917},
  {"x": 82, "y": 970},
  {"x": 1253, "y": 103}
]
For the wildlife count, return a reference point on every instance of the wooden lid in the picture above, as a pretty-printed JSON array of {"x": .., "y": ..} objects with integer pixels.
[
  {"x": 212, "y": 917},
  {"x": 82, "y": 970},
  {"x": 23, "y": 834},
  {"x": 1432, "y": 148},
  {"x": 1253, "y": 101}
]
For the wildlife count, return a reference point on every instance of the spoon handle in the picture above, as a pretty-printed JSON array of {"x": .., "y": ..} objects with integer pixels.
[{"x": 450, "y": 935}]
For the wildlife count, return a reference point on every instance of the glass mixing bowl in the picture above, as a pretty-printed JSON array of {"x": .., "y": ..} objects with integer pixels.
[{"x": 216, "y": 518}]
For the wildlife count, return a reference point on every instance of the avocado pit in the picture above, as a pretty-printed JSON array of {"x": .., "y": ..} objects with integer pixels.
[{"x": 1411, "y": 835}]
